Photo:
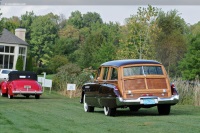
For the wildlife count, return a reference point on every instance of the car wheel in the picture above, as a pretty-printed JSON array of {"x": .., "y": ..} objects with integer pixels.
[
  {"x": 10, "y": 96},
  {"x": 2, "y": 94},
  {"x": 164, "y": 109},
  {"x": 87, "y": 108},
  {"x": 109, "y": 111},
  {"x": 37, "y": 96}
]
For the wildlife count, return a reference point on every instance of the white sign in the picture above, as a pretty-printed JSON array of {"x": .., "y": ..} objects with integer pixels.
[
  {"x": 40, "y": 79},
  {"x": 47, "y": 83},
  {"x": 71, "y": 87}
]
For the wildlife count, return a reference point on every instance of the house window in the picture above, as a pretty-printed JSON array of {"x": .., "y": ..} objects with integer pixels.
[
  {"x": 7, "y": 56},
  {"x": 1, "y": 48},
  {"x": 12, "y": 49},
  {"x": 22, "y": 50},
  {"x": 7, "y": 49},
  {"x": 6, "y": 61}
]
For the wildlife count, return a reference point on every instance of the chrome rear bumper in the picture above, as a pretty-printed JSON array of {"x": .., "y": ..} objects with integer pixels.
[
  {"x": 140, "y": 101},
  {"x": 27, "y": 92}
]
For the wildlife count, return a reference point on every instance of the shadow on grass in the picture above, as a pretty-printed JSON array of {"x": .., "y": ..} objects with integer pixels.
[
  {"x": 126, "y": 112},
  {"x": 145, "y": 112}
]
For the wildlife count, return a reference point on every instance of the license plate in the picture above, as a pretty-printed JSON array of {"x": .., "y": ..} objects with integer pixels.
[
  {"x": 148, "y": 101},
  {"x": 27, "y": 86}
]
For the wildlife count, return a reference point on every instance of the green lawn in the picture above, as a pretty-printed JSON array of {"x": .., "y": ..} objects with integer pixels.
[{"x": 54, "y": 113}]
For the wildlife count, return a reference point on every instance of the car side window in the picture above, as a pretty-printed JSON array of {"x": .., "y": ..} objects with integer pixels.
[
  {"x": 114, "y": 74},
  {"x": 105, "y": 74}
]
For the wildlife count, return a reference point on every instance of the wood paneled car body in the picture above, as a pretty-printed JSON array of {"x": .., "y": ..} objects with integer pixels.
[
  {"x": 21, "y": 83},
  {"x": 130, "y": 83}
]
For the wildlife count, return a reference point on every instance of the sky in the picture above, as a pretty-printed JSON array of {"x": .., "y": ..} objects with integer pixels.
[{"x": 113, "y": 13}]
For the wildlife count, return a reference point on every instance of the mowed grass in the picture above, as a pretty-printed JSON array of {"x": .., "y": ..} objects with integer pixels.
[{"x": 54, "y": 113}]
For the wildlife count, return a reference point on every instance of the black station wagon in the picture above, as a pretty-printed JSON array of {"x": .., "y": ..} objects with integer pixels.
[{"x": 130, "y": 83}]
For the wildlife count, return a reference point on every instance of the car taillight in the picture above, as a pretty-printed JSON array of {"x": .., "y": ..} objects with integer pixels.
[
  {"x": 116, "y": 91},
  {"x": 115, "y": 88},
  {"x": 172, "y": 85},
  {"x": 173, "y": 90}
]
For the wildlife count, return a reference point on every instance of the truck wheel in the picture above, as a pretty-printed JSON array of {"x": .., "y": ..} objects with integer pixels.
[
  {"x": 10, "y": 96},
  {"x": 109, "y": 111},
  {"x": 164, "y": 109},
  {"x": 87, "y": 108}
]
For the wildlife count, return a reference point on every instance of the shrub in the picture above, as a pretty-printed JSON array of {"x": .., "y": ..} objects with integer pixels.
[
  {"x": 40, "y": 70},
  {"x": 29, "y": 64},
  {"x": 71, "y": 73},
  {"x": 57, "y": 61},
  {"x": 20, "y": 63},
  {"x": 189, "y": 92}
]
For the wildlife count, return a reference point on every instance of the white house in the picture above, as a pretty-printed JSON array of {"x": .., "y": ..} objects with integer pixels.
[{"x": 12, "y": 46}]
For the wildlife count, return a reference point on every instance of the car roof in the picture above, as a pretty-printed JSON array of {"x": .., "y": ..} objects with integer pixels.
[
  {"x": 118, "y": 63},
  {"x": 13, "y": 75}
]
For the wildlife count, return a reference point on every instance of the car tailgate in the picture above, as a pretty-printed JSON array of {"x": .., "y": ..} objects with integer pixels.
[{"x": 146, "y": 86}]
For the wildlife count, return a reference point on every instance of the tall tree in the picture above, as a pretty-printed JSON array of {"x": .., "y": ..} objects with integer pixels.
[
  {"x": 11, "y": 23},
  {"x": 141, "y": 31},
  {"x": 26, "y": 21},
  {"x": 68, "y": 42},
  {"x": 43, "y": 35},
  {"x": 99, "y": 46},
  {"x": 76, "y": 20},
  {"x": 20, "y": 63},
  {"x": 90, "y": 18},
  {"x": 190, "y": 64},
  {"x": 172, "y": 41}
]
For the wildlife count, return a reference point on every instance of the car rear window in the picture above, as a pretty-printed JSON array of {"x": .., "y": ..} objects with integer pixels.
[{"x": 142, "y": 70}]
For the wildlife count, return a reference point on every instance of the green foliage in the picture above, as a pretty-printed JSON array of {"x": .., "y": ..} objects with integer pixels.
[
  {"x": 70, "y": 73},
  {"x": 76, "y": 20},
  {"x": 141, "y": 33},
  {"x": 190, "y": 64},
  {"x": 43, "y": 35},
  {"x": 100, "y": 45},
  {"x": 11, "y": 23},
  {"x": 40, "y": 70},
  {"x": 26, "y": 21},
  {"x": 20, "y": 63},
  {"x": 29, "y": 64},
  {"x": 91, "y": 18},
  {"x": 86, "y": 40},
  {"x": 57, "y": 61},
  {"x": 172, "y": 40},
  {"x": 189, "y": 91},
  {"x": 79, "y": 20},
  {"x": 68, "y": 41}
]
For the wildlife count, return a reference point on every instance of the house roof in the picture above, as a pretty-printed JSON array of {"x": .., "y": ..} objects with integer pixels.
[
  {"x": 118, "y": 63},
  {"x": 10, "y": 38}
]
